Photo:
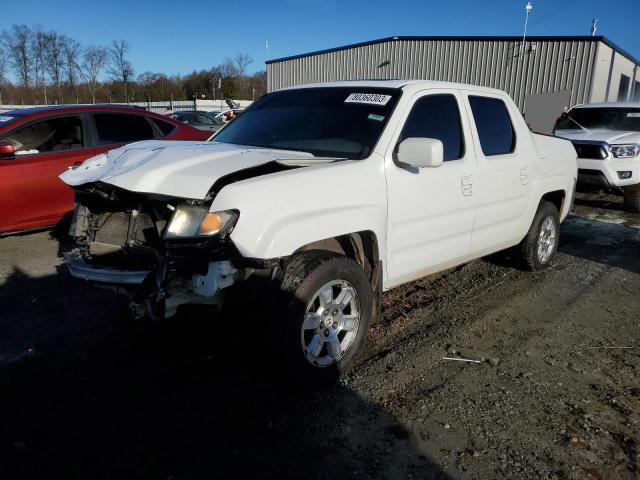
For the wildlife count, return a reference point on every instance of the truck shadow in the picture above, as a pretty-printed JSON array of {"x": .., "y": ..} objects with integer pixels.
[
  {"x": 86, "y": 394},
  {"x": 612, "y": 244},
  {"x": 606, "y": 202}
]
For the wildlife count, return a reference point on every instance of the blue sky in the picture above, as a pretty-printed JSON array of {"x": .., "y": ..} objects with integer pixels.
[{"x": 179, "y": 37}]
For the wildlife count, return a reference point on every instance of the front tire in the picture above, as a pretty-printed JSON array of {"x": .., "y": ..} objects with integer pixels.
[
  {"x": 632, "y": 198},
  {"x": 540, "y": 245},
  {"x": 327, "y": 306}
]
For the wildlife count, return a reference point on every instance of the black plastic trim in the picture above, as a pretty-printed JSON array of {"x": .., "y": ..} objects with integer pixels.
[
  {"x": 247, "y": 173},
  {"x": 592, "y": 177}
]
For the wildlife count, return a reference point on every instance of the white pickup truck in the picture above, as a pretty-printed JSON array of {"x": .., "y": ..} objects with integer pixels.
[
  {"x": 607, "y": 139},
  {"x": 321, "y": 197}
]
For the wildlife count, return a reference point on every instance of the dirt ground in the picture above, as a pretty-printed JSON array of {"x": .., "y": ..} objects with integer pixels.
[{"x": 86, "y": 394}]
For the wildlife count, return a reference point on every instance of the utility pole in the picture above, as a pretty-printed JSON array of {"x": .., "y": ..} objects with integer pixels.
[{"x": 528, "y": 7}]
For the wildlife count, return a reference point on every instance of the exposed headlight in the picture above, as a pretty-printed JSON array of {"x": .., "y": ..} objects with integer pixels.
[
  {"x": 191, "y": 221},
  {"x": 626, "y": 151}
]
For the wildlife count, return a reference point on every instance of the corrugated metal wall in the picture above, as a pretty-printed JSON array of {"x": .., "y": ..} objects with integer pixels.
[{"x": 546, "y": 66}]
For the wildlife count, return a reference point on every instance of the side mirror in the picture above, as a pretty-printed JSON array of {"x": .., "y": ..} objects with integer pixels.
[
  {"x": 420, "y": 152},
  {"x": 7, "y": 150}
]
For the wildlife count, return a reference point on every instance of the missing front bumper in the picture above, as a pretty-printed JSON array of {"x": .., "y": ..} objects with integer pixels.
[
  {"x": 80, "y": 268},
  {"x": 151, "y": 291}
]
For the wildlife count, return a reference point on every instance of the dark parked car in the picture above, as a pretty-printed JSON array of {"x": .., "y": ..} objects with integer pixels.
[
  {"x": 200, "y": 120},
  {"x": 38, "y": 144}
]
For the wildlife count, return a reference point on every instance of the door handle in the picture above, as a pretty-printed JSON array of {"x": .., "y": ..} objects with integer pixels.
[
  {"x": 467, "y": 185},
  {"x": 524, "y": 175}
]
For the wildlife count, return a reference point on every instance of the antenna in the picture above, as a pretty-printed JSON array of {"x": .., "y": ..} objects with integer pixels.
[
  {"x": 594, "y": 26},
  {"x": 528, "y": 7}
]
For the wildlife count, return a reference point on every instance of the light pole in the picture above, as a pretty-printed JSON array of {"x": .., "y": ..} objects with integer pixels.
[{"x": 528, "y": 7}]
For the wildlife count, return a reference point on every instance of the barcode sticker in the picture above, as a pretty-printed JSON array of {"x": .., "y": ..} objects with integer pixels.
[{"x": 368, "y": 98}]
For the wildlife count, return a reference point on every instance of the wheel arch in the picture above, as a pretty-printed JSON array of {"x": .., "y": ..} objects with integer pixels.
[
  {"x": 556, "y": 197},
  {"x": 362, "y": 247}
]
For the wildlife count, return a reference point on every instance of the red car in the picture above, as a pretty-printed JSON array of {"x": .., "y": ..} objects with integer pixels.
[{"x": 38, "y": 144}]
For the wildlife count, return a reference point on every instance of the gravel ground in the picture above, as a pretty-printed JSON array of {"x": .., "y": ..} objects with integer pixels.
[{"x": 86, "y": 394}]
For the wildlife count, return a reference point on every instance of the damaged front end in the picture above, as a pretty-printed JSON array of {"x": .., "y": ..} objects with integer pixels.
[{"x": 160, "y": 251}]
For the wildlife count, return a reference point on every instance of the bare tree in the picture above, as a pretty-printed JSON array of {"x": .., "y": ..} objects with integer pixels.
[
  {"x": 120, "y": 67},
  {"x": 241, "y": 62},
  {"x": 237, "y": 67},
  {"x": 55, "y": 59},
  {"x": 39, "y": 44},
  {"x": 93, "y": 61},
  {"x": 49, "y": 60},
  {"x": 72, "y": 51},
  {"x": 16, "y": 42},
  {"x": 228, "y": 68},
  {"x": 3, "y": 65}
]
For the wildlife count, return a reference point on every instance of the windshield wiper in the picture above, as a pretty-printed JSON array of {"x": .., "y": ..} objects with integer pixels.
[{"x": 574, "y": 121}]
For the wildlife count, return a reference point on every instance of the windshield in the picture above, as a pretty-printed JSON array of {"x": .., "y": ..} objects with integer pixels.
[
  {"x": 613, "y": 118},
  {"x": 343, "y": 122}
]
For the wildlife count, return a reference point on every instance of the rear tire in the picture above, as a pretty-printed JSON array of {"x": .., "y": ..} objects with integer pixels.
[
  {"x": 540, "y": 245},
  {"x": 632, "y": 198},
  {"x": 326, "y": 306}
]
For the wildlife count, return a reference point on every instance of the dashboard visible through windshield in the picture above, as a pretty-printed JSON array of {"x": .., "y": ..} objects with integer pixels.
[{"x": 342, "y": 122}]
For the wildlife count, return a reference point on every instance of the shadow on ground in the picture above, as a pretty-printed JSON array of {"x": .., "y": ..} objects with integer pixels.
[
  {"x": 88, "y": 395},
  {"x": 605, "y": 200},
  {"x": 612, "y": 244}
]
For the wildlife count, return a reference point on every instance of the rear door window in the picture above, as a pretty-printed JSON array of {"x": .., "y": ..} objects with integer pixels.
[
  {"x": 122, "y": 128},
  {"x": 51, "y": 135},
  {"x": 496, "y": 133}
]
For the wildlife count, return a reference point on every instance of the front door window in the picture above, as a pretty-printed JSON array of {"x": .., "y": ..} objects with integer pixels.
[{"x": 52, "y": 135}]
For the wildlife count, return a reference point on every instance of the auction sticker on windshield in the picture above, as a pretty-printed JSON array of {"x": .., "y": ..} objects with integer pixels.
[{"x": 368, "y": 98}]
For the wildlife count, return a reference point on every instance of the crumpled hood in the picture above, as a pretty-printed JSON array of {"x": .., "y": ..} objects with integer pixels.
[
  {"x": 612, "y": 137},
  {"x": 179, "y": 169}
]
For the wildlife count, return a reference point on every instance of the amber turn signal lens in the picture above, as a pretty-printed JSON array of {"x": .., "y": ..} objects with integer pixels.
[{"x": 212, "y": 223}]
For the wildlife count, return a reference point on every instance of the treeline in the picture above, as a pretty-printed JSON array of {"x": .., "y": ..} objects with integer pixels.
[{"x": 52, "y": 68}]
